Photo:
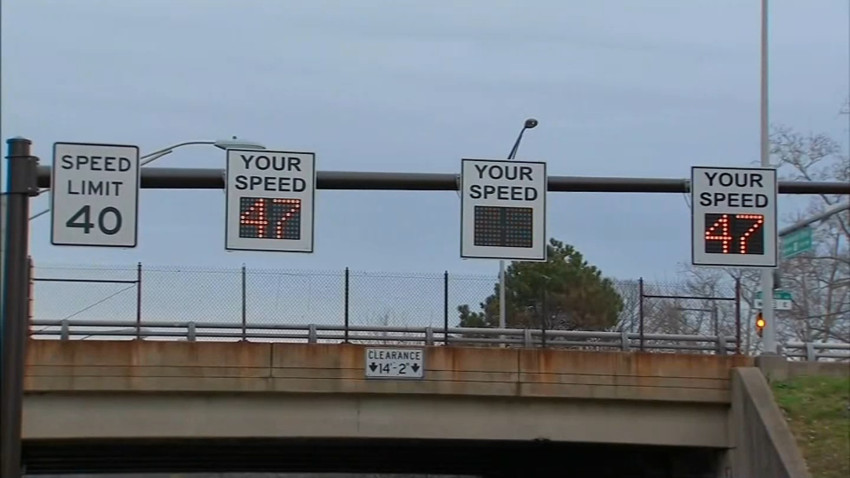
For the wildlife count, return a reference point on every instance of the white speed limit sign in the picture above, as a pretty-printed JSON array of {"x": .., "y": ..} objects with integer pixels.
[{"x": 94, "y": 195}]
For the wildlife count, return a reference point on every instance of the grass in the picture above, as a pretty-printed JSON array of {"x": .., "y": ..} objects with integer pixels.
[{"x": 817, "y": 409}]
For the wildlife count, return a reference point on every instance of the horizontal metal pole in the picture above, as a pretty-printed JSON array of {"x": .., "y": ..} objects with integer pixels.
[
  {"x": 817, "y": 345},
  {"x": 86, "y": 281},
  {"x": 212, "y": 178},
  {"x": 834, "y": 209},
  {"x": 649, "y": 296}
]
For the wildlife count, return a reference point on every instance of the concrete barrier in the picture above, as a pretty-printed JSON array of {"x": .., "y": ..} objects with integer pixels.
[{"x": 763, "y": 444}]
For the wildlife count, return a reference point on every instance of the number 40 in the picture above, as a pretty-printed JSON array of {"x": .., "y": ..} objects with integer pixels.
[{"x": 83, "y": 219}]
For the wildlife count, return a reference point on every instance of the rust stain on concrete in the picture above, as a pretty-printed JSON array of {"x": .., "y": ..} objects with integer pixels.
[{"x": 339, "y": 368}]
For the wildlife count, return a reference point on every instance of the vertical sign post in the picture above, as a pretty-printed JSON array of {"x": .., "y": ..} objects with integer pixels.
[
  {"x": 21, "y": 186},
  {"x": 94, "y": 195},
  {"x": 503, "y": 209},
  {"x": 270, "y": 199},
  {"x": 734, "y": 217}
]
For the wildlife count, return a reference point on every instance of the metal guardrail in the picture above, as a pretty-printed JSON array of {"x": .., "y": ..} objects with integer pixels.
[
  {"x": 814, "y": 351},
  {"x": 320, "y": 333}
]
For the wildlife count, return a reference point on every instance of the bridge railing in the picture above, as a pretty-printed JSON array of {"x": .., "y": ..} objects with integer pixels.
[
  {"x": 69, "y": 329},
  {"x": 814, "y": 351},
  {"x": 387, "y": 335}
]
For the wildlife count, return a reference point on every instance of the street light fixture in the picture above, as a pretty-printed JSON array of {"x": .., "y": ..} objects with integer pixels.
[
  {"x": 224, "y": 144},
  {"x": 529, "y": 124}
]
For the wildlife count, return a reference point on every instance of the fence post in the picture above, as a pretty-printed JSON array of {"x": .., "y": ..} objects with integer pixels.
[
  {"x": 138, "y": 299},
  {"x": 640, "y": 311},
  {"x": 811, "y": 353},
  {"x": 65, "y": 330},
  {"x": 446, "y": 308},
  {"x": 544, "y": 318},
  {"x": 737, "y": 316},
  {"x": 346, "y": 317},
  {"x": 30, "y": 293},
  {"x": 244, "y": 303}
]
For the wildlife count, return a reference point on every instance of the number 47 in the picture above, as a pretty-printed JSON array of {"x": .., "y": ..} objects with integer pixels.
[{"x": 83, "y": 219}]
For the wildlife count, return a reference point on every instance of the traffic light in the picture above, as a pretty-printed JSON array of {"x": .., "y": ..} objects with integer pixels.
[{"x": 760, "y": 324}]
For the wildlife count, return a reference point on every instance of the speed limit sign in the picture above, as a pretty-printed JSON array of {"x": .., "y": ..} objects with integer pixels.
[{"x": 94, "y": 195}]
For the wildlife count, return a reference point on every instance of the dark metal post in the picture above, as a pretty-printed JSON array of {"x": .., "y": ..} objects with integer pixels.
[
  {"x": 545, "y": 316},
  {"x": 738, "y": 315},
  {"x": 446, "y": 308},
  {"x": 138, "y": 300},
  {"x": 21, "y": 185},
  {"x": 640, "y": 311},
  {"x": 244, "y": 303},
  {"x": 30, "y": 293},
  {"x": 345, "y": 314},
  {"x": 715, "y": 319}
]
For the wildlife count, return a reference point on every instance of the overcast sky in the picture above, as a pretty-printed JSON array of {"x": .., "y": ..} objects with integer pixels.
[{"x": 621, "y": 88}]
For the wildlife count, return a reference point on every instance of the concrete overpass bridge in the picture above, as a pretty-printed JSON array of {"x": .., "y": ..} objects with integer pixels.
[{"x": 139, "y": 405}]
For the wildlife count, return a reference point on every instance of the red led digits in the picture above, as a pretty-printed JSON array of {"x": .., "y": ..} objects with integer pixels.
[
  {"x": 758, "y": 221},
  {"x": 270, "y": 218},
  {"x": 255, "y": 216},
  {"x": 734, "y": 233},
  {"x": 292, "y": 207},
  {"x": 723, "y": 224}
]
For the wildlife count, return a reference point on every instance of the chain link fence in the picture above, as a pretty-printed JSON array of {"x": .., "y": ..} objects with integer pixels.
[
  {"x": 63, "y": 292},
  {"x": 274, "y": 298},
  {"x": 251, "y": 297},
  {"x": 682, "y": 308}
]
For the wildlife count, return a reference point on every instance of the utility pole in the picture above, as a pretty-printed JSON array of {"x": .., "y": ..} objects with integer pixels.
[{"x": 769, "y": 337}]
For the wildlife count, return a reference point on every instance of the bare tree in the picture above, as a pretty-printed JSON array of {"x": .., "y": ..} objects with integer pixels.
[{"x": 819, "y": 280}]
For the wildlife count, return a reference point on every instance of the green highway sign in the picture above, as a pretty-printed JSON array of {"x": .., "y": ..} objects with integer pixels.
[
  {"x": 781, "y": 300},
  {"x": 797, "y": 242}
]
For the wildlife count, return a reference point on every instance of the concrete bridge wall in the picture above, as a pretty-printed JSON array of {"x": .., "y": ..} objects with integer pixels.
[{"x": 132, "y": 389}]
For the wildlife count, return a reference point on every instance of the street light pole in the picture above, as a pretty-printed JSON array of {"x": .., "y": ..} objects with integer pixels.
[
  {"x": 769, "y": 332},
  {"x": 224, "y": 144},
  {"x": 529, "y": 124}
]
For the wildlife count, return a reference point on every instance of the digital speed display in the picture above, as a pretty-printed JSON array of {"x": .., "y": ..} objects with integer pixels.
[
  {"x": 269, "y": 218},
  {"x": 497, "y": 226},
  {"x": 734, "y": 233}
]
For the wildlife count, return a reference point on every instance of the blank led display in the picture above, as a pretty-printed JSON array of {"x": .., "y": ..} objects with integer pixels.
[
  {"x": 504, "y": 226},
  {"x": 270, "y": 218},
  {"x": 734, "y": 233}
]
